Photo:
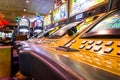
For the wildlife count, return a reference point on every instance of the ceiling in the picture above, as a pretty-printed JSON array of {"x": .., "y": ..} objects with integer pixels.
[{"x": 9, "y": 9}]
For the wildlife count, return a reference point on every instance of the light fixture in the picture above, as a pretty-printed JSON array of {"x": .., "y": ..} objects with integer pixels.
[
  {"x": 25, "y": 9},
  {"x": 27, "y": 1}
]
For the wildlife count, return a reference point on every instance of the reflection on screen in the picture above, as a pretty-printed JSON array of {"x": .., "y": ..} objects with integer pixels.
[
  {"x": 64, "y": 29},
  {"x": 110, "y": 22},
  {"x": 86, "y": 23}
]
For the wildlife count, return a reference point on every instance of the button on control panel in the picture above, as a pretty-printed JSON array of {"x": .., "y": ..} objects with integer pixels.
[
  {"x": 108, "y": 50},
  {"x": 82, "y": 46},
  {"x": 97, "y": 48},
  {"x": 90, "y": 42},
  {"x": 83, "y": 42},
  {"x": 118, "y": 53},
  {"x": 99, "y": 42},
  {"x": 88, "y": 47},
  {"x": 118, "y": 45},
  {"x": 109, "y": 43}
]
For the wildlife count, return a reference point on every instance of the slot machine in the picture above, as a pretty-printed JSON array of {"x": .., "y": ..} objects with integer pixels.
[
  {"x": 38, "y": 27},
  {"x": 99, "y": 45},
  {"x": 24, "y": 27},
  {"x": 6, "y": 36},
  {"x": 97, "y": 51}
]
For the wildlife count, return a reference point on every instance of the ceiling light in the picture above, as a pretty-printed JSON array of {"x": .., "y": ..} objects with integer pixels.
[
  {"x": 24, "y": 9},
  {"x": 27, "y": 1}
]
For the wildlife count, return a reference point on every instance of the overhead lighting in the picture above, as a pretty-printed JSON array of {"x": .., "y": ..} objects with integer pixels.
[
  {"x": 27, "y": 1},
  {"x": 24, "y": 9}
]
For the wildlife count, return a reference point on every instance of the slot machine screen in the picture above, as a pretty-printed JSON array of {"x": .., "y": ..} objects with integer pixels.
[
  {"x": 63, "y": 12},
  {"x": 7, "y": 34},
  {"x": 38, "y": 23},
  {"x": 23, "y": 22},
  {"x": 47, "y": 20},
  {"x": 60, "y": 13},
  {"x": 110, "y": 25},
  {"x": 78, "y": 6}
]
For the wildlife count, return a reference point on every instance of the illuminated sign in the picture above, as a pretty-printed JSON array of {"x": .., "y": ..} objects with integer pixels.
[
  {"x": 47, "y": 20},
  {"x": 79, "y": 6},
  {"x": 60, "y": 13}
]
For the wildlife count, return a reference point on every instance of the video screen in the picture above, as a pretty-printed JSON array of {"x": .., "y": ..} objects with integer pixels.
[
  {"x": 38, "y": 23},
  {"x": 24, "y": 22},
  {"x": 47, "y": 20},
  {"x": 78, "y": 6},
  {"x": 60, "y": 13},
  {"x": 110, "y": 22},
  {"x": 6, "y": 36}
]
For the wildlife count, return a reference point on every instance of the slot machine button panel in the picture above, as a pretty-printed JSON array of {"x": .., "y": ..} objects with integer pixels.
[
  {"x": 109, "y": 43},
  {"x": 97, "y": 48},
  {"x": 89, "y": 47},
  {"x": 82, "y": 46},
  {"x": 83, "y": 42},
  {"x": 108, "y": 50},
  {"x": 99, "y": 42},
  {"x": 90, "y": 42}
]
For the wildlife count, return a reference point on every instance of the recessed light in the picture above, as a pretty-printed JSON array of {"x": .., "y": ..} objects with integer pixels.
[
  {"x": 24, "y": 9},
  {"x": 27, "y": 1}
]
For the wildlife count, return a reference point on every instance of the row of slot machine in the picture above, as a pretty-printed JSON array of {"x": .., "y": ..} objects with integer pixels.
[
  {"x": 24, "y": 27},
  {"x": 9, "y": 35},
  {"x": 90, "y": 35}
]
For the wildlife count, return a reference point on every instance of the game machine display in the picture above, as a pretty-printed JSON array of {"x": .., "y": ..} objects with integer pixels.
[
  {"x": 38, "y": 27},
  {"x": 6, "y": 37},
  {"x": 23, "y": 28},
  {"x": 99, "y": 45},
  {"x": 78, "y": 22}
]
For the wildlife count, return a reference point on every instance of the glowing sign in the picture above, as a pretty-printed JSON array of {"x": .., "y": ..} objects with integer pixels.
[
  {"x": 79, "y": 6},
  {"x": 47, "y": 20},
  {"x": 60, "y": 13}
]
